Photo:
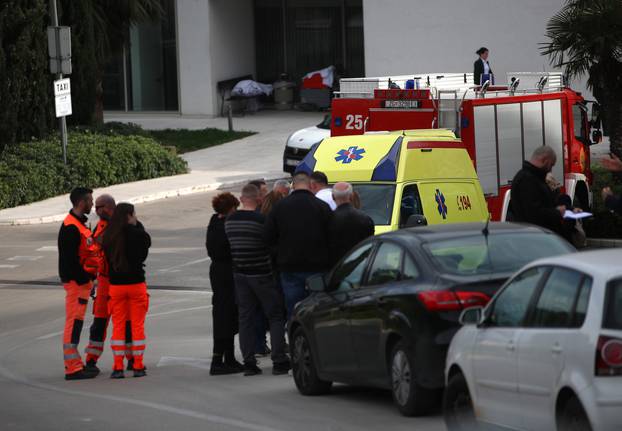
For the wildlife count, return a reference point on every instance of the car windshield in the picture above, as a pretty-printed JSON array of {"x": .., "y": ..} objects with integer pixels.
[
  {"x": 613, "y": 306},
  {"x": 505, "y": 252},
  {"x": 325, "y": 124},
  {"x": 376, "y": 201}
]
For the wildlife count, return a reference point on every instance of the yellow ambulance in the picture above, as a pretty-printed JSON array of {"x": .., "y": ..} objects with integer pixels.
[{"x": 404, "y": 178}]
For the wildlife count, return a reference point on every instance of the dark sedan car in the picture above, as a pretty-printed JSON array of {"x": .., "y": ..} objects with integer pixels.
[{"x": 385, "y": 315}]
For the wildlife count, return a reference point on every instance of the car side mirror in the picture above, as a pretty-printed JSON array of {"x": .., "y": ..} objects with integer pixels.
[
  {"x": 471, "y": 316},
  {"x": 316, "y": 283},
  {"x": 416, "y": 220}
]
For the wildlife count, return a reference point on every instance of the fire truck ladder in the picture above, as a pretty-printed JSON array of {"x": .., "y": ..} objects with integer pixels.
[{"x": 448, "y": 104}]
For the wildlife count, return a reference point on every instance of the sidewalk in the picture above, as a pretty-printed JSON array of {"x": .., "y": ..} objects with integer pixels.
[{"x": 257, "y": 156}]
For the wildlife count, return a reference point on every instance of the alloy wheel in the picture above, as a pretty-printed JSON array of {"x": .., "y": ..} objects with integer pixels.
[
  {"x": 401, "y": 377},
  {"x": 302, "y": 361}
]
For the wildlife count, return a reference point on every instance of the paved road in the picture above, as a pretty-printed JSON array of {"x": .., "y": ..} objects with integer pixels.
[{"x": 178, "y": 393}]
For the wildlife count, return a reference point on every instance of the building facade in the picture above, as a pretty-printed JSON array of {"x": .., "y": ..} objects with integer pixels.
[{"x": 175, "y": 65}]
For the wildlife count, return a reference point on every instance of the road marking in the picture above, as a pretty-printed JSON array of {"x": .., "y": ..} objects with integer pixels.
[
  {"x": 52, "y": 335},
  {"x": 48, "y": 248},
  {"x": 24, "y": 258},
  {"x": 9, "y": 266},
  {"x": 183, "y": 265},
  {"x": 181, "y": 310},
  {"x": 166, "y": 361}
]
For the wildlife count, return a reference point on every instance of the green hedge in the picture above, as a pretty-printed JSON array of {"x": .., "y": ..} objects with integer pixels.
[{"x": 33, "y": 171}]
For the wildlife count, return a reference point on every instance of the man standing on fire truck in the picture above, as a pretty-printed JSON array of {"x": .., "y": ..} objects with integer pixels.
[{"x": 78, "y": 263}]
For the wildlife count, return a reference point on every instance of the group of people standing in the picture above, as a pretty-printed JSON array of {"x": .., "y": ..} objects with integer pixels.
[
  {"x": 263, "y": 247},
  {"x": 109, "y": 263}
]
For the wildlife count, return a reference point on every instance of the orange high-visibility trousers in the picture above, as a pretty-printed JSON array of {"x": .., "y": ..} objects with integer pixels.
[
  {"x": 101, "y": 318},
  {"x": 129, "y": 299},
  {"x": 76, "y": 300}
]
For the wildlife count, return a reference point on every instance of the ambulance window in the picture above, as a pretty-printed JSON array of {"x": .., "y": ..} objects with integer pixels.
[{"x": 410, "y": 203}]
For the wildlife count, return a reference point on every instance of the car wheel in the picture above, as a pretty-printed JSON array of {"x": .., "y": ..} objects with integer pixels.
[
  {"x": 410, "y": 398},
  {"x": 573, "y": 417},
  {"x": 458, "y": 406},
  {"x": 303, "y": 368}
]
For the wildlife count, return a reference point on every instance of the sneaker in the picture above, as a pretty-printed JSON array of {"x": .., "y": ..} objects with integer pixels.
[
  {"x": 80, "y": 375},
  {"x": 117, "y": 374},
  {"x": 234, "y": 366},
  {"x": 251, "y": 369},
  {"x": 140, "y": 373},
  {"x": 91, "y": 367},
  {"x": 279, "y": 368},
  {"x": 220, "y": 369}
]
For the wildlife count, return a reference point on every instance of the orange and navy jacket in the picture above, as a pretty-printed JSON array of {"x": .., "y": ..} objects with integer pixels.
[
  {"x": 98, "y": 236},
  {"x": 77, "y": 253}
]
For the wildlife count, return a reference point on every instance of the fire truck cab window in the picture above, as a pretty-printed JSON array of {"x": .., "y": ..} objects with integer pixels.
[
  {"x": 410, "y": 203},
  {"x": 579, "y": 114}
]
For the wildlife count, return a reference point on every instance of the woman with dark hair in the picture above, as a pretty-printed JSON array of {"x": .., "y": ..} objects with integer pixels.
[
  {"x": 224, "y": 308},
  {"x": 481, "y": 67},
  {"x": 126, "y": 245}
]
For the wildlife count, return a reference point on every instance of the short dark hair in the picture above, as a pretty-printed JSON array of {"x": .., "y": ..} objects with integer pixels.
[
  {"x": 250, "y": 191},
  {"x": 79, "y": 194},
  {"x": 319, "y": 177},
  {"x": 300, "y": 177},
  {"x": 482, "y": 50},
  {"x": 258, "y": 183},
  {"x": 224, "y": 202}
]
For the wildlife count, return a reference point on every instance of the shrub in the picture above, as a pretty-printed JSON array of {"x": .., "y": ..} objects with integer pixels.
[{"x": 34, "y": 171}]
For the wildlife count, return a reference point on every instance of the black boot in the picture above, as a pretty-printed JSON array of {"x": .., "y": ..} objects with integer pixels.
[
  {"x": 232, "y": 363},
  {"x": 218, "y": 367}
]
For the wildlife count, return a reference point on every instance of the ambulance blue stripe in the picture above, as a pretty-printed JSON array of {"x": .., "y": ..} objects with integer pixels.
[
  {"x": 386, "y": 169},
  {"x": 308, "y": 163}
]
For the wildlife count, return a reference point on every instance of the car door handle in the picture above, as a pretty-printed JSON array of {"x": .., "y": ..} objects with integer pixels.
[
  {"x": 556, "y": 349},
  {"x": 510, "y": 347}
]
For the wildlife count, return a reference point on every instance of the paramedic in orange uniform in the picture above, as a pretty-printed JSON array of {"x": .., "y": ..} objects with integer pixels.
[
  {"x": 104, "y": 207},
  {"x": 126, "y": 246},
  {"x": 77, "y": 266}
]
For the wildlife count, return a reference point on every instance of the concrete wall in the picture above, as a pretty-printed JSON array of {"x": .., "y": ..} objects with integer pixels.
[
  {"x": 216, "y": 41},
  {"x": 417, "y": 36},
  {"x": 196, "y": 96},
  {"x": 232, "y": 41}
]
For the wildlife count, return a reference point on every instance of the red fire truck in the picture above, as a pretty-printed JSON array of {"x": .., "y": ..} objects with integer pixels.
[{"x": 499, "y": 125}]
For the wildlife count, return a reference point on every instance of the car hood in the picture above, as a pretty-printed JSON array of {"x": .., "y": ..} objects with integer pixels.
[{"x": 305, "y": 138}]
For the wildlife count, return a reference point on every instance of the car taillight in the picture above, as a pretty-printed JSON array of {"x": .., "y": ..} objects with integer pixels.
[
  {"x": 609, "y": 356},
  {"x": 448, "y": 300}
]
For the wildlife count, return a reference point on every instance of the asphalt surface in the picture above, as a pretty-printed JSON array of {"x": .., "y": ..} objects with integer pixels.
[{"x": 178, "y": 393}]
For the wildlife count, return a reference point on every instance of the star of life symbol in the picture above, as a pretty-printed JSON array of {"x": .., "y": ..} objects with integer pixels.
[
  {"x": 352, "y": 153},
  {"x": 440, "y": 201}
]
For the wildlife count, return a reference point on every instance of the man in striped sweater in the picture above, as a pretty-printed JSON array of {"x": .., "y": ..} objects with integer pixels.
[{"x": 255, "y": 283}]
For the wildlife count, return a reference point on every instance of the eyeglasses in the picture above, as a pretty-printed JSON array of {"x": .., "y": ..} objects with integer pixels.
[{"x": 99, "y": 206}]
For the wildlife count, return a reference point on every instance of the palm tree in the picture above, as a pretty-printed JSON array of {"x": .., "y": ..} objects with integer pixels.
[{"x": 585, "y": 37}]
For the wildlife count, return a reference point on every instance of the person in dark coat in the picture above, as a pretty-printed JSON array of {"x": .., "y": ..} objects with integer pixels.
[
  {"x": 224, "y": 310},
  {"x": 531, "y": 199},
  {"x": 297, "y": 228},
  {"x": 481, "y": 66},
  {"x": 349, "y": 226}
]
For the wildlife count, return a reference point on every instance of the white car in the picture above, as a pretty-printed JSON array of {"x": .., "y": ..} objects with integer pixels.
[
  {"x": 300, "y": 142},
  {"x": 545, "y": 353}
]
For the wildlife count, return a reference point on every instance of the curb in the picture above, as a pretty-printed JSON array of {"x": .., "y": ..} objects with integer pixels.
[
  {"x": 140, "y": 199},
  {"x": 604, "y": 243}
]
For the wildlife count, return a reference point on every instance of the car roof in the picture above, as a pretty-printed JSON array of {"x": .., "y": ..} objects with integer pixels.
[
  {"x": 436, "y": 232},
  {"x": 605, "y": 262}
]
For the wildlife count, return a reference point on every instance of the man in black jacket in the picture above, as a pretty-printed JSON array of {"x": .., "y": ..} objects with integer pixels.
[
  {"x": 297, "y": 228},
  {"x": 532, "y": 200},
  {"x": 349, "y": 226}
]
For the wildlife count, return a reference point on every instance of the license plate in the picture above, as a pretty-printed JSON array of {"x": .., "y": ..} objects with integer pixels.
[{"x": 292, "y": 162}]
